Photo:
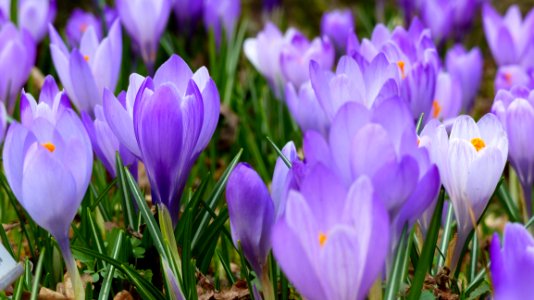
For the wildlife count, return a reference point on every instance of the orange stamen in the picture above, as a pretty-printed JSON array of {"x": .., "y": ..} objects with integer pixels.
[
  {"x": 478, "y": 143},
  {"x": 322, "y": 239},
  {"x": 436, "y": 109},
  {"x": 49, "y": 146}
]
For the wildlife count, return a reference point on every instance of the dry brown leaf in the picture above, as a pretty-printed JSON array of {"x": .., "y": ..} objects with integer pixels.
[{"x": 123, "y": 295}]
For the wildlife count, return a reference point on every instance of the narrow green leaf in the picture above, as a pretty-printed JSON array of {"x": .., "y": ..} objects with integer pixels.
[
  {"x": 127, "y": 207},
  {"x": 226, "y": 267},
  {"x": 396, "y": 277},
  {"x": 508, "y": 203},
  {"x": 37, "y": 277},
  {"x": 106, "y": 284},
  {"x": 419, "y": 125},
  {"x": 445, "y": 237},
  {"x": 474, "y": 257},
  {"x": 279, "y": 152}
]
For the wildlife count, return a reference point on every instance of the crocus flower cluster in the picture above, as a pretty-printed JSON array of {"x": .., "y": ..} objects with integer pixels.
[{"x": 32, "y": 15}]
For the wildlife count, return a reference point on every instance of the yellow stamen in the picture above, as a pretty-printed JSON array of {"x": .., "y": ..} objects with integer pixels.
[
  {"x": 49, "y": 146},
  {"x": 508, "y": 77},
  {"x": 436, "y": 109},
  {"x": 322, "y": 239},
  {"x": 401, "y": 65},
  {"x": 478, "y": 143},
  {"x": 86, "y": 57}
]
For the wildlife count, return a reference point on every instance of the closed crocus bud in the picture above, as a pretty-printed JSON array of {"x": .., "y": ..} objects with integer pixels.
[
  {"x": 332, "y": 241},
  {"x": 337, "y": 25},
  {"x": 466, "y": 67},
  {"x": 437, "y": 16},
  {"x": 447, "y": 98},
  {"x": 221, "y": 15},
  {"x": 78, "y": 23},
  {"x": 475, "y": 157},
  {"x": 298, "y": 52},
  {"x": 510, "y": 76},
  {"x": 512, "y": 264},
  {"x": 35, "y": 15},
  {"x": 285, "y": 178},
  {"x": 251, "y": 212},
  {"x": 48, "y": 162},
  {"x": 187, "y": 11},
  {"x": 86, "y": 71},
  {"x": 510, "y": 30},
  {"x": 306, "y": 109},
  {"x": 515, "y": 109},
  {"x": 145, "y": 22},
  {"x": 17, "y": 49}
]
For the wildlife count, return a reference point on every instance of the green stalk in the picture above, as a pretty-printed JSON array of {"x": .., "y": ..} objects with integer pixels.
[{"x": 64, "y": 246}]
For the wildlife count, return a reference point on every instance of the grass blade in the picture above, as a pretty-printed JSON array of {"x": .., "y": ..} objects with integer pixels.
[
  {"x": 396, "y": 276},
  {"x": 106, "y": 284}
]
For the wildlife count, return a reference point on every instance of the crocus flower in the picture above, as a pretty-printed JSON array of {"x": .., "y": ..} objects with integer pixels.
[
  {"x": 251, "y": 212},
  {"x": 86, "y": 71},
  {"x": 270, "y": 5},
  {"x": 512, "y": 265},
  {"x": 298, "y": 52},
  {"x": 306, "y": 109},
  {"x": 187, "y": 11},
  {"x": 166, "y": 121},
  {"x": 448, "y": 18},
  {"x": 110, "y": 15},
  {"x": 510, "y": 76},
  {"x": 332, "y": 241},
  {"x": 5, "y": 11},
  {"x": 35, "y": 15},
  {"x": 285, "y": 178},
  {"x": 3, "y": 121},
  {"x": 17, "y": 52},
  {"x": 466, "y": 67},
  {"x": 105, "y": 143},
  {"x": 470, "y": 170},
  {"x": 48, "y": 162},
  {"x": 78, "y": 23},
  {"x": 515, "y": 109},
  {"x": 447, "y": 98},
  {"x": 145, "y": 22},
  {"x": 221, "y": 15},
  {"x": 510, "y": 30},
  {"x": 337, "y": 25}
]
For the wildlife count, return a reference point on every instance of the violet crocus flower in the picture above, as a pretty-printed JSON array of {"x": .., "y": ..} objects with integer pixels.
[
  {"x": 447, "y": 98},
  {"x": 166, "y": 122},
  {"x": 337, "y": 25},
  {"x": 332, "y": 241},
  {"x": 145, "y": 22},
  {"x": 48, "y": 162},
  {"x": 221, "y": 15},
  {"x": 306, "y": 109},
  {"x": 510, "y": 30},
  {"x": 466, "y": 67},
  {"x": 78, "y": 23},
  {"x": 251, "y": 212},
  {"x": 187, "y": 11},
  {"x": 298, "y": 52},
  {"x": 106, "y": 144},
  {"x": 285, "y": 178},
  {"x": 86, "y": 71},
  {"x": 448, "y": 18},
  {"x": 510, "y": 76},
  {"x": 512, "y": 265},
  {"x": 35, "y": 15},
  {"x": 470, "y": 170},
  {"x": 17, "y": 52},
  {"x": 515, "y": 109}
]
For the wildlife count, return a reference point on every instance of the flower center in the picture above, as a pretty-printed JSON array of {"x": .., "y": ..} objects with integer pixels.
[
  {"x": 49, "y": 146},
  {"x": 83, "y": 27},
  {"x": 86, "y": 57},
  {"x": 508, "y": 77},
  {"x": 322, "y": 239},
  {"x": 478, "y": 143},
  {"x": 436, "y": 109},
  {"x": 401, "y": 66}
]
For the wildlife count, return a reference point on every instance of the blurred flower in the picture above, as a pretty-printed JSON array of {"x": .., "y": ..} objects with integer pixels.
[
  {"x": 285, "y": 178},
  {"x": 3, "y": 121},
  {"x": 251, "y": 212},
  {"x": 17, "y": 52},
  {"x": 298, "y": 52},
  {"x": 35, "y": 15},
  {"x": 110, "y": 15},
  {"x": 337, "y": 25},
  {"x": 513, "y": 75},
  {"x": 512, "y": 31},
  {"x": 166, "y": 121},
  {"x": 306, "y": 109},
  {"x": 512, "y": 266},
  {"x": 48, "y": 162},
  {"x": 187, "y": 11},
  {"x": 106, "y": 144},
  {"x": 447, "y": 98},
  {"x": 78, "y": 23},
  {"x": 448, "y": 18},
  {"x": 332, "y": 241},
  {"x": 145, "y": 22},
  {"x": 474, "y": 159},
  {"x": 85, "y": 72},
  {"x": 466, "y": 67},
  {"x": 221, "y": 15},
  {"x": 515, "y": 109},
  {"x": 270, "y": 5}
]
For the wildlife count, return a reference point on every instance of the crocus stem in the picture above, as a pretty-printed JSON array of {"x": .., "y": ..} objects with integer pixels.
[
  {"x": 458, "y": 248},
  {"x": 267, "y": 286},
  {"x": 79, "y": 292}
]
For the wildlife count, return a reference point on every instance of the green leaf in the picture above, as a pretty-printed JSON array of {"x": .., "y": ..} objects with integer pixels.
[
  {"x": 508, "y": 203},
  {"x": 396, "y": 277},
  {"x": 37, "y": 277},
  {"x": 106, "y": 284},
  {"x": 127, "y": 207},
  {"x": 445, "y": 237}
]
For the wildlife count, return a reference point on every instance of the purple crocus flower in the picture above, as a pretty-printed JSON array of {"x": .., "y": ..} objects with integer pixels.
[
  {"x": 512, "y": 266},
  {"x": 332, "y": 241},
  {"x": 251, "y": 212},
  {"x": 298, "y": 52},
  {"x": 337, "y": 25},
  {"x": 270, "y": 5},
  {"x": 221, "y": 15},
  {"x": 510, "y": 30},
  {"x": 448, "y": 18},
  {"x": 110, "y": 15},
  {"x": 166, "y": 121},
  {"x": 447, "y": 98},
  {"x": 3, "y": 121},
  {"x": 17, "y": 52},
  {"x": 145, "y": 22},
  {"x": 515, "y": 109},
  {"x": 35, "y": 15},
  {"x": 187, "y": 11},
  {"x": 466, "y": 67},
  {"x": 86, "y": 71},
  {"x": 285, "y": 178},
  {"x": 78, "y": 23},
  {"x": 306, "y": 109},
  {"x": 105, "y": 143},
  {"x": 510, "y": 76},
  {"x": 48, "y": 162}
]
